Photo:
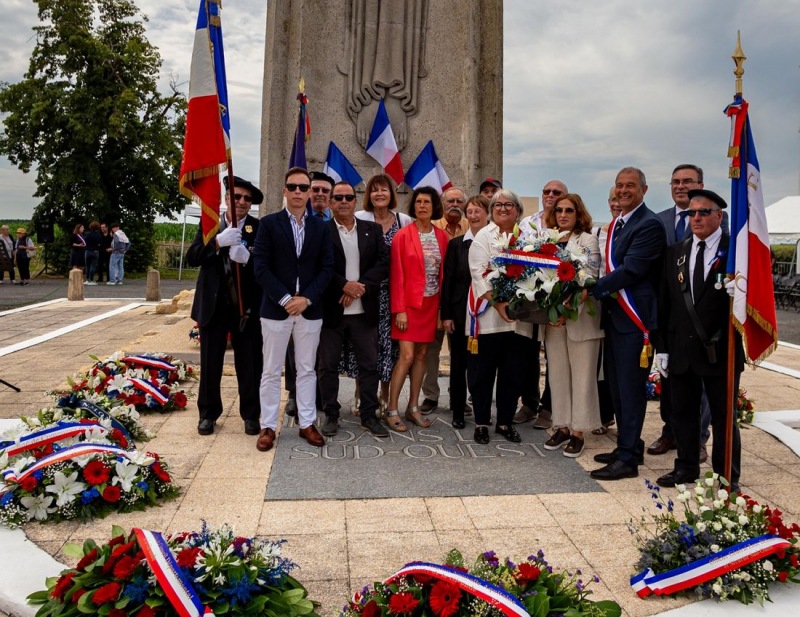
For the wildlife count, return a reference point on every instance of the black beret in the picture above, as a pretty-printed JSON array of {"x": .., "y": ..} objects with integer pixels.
[
  {"x": 321, "y": 175},
  {"x": 708, "y": 195},
  {"x": 258, "y": 196}
]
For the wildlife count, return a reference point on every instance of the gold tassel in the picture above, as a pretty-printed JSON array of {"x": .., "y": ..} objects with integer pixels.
[
  {"x": 733, "y": 151},
  {"x": 469, "y": 344},
  {"x": 734, "y": 172},
  {"x": 644, "y": 359},
  {"x": 474, "y": 346}
]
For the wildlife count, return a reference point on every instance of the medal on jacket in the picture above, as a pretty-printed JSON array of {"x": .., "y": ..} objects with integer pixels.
[
  {"x": 680, "y": 277},
  {"x": 718, "y": 283},
  {"x": 248, "y": 229}
]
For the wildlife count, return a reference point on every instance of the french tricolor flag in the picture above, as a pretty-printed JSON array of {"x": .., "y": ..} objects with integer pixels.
[
  {"x": 206, "y": 146},
  {"x": 382, "y": 146},
  {"x": 339, "y": 168},
  {"x": 428, "y": 171}
]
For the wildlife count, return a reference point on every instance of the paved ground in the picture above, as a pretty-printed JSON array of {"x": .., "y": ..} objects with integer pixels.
[{"x": 342, "y": 544}]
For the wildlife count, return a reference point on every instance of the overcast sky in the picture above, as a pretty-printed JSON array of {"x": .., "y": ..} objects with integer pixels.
[{"x": 589, "y": 87}]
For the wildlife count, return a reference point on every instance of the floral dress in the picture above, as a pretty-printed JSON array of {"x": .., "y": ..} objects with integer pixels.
[{"x": 388, "y": 350}]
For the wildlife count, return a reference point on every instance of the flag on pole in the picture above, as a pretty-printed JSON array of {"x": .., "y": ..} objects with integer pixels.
[
  {"x": 339, "y": 168},
  {"x": 428, "y": 171},
  {"x": 298, "y": 156},
  {"x": 748, "y": 256},
  {"x": 382, "y": 146},
  {"x": 206, "y": 145}
]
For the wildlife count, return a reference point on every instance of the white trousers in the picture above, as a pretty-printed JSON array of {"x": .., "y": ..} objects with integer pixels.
[{"x": 276, "y": 335}]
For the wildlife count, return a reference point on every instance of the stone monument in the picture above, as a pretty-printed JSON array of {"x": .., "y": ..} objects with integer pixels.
[{"x": 438, "y": 64}]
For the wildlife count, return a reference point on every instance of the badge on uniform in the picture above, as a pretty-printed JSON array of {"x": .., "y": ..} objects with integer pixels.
[
  {"x": 248, "y": 229},
  {"x": 680, "y": 277}
]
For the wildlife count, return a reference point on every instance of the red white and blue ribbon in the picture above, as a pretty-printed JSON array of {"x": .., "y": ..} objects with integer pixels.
[
  {"x": 64, "y": 454},
  {"x": 626, "y": 300},
  {"x": 525, "y": 258},
  {"x": 150, "y": 388},
  {"x": 151, "y": 362},
  {"x": 44, "y": 437},
  {"x": 475, "y": 308},
  {"x": 498, "y": 598},
  {"x": 104, "y": 415},
  {"x": 178, "y": 590},
  {"x": 702, "y": 570}
]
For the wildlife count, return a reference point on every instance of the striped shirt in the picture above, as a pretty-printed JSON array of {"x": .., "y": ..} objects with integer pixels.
[{"x": 299, "y": 232}]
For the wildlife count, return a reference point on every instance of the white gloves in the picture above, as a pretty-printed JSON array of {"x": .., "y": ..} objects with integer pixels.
[
  {"x": 662, "y": 362},
  {"x": 229, "y": 237},
  {"x": 239, "y": 253},
  {"x": 730, "y": 287}
]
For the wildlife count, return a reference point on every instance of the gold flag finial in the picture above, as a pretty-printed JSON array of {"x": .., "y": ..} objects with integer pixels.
[
  {"x": 738, "y": 58},
  {"x": 303, "y": 85}
]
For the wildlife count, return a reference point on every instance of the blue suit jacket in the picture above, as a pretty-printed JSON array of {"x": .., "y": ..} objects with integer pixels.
[
  {"x": 668, "y": 219},
  {"x": 638, "y": 248},
  {"x": 277, "y": 266}
]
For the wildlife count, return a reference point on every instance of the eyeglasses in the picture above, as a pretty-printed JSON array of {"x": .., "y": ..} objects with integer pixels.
[
  {"x": 347, "y": 198},
  {"x": 456, "y": 200},
  {"x": 564, "y": 210},
  {"x": 555, "y": 192},
  {"x": 701, "y": 211},
  {"x": 292, "y": 187},
  {"x": 318, "y": 189},
  {"x": 677, "y": 182},
  {"x": 246, "y": 198},
  {"x": 504, "y": 205}
]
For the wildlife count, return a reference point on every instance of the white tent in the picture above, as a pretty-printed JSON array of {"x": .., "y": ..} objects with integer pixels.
[{"x": 783, "y": 221}]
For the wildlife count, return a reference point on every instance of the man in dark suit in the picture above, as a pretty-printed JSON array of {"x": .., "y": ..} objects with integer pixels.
[
  {"x": 685, "y": 177},
  {"x": 628, "y": 316},
  {"x": 293, "y": 264},
  {"x": 216, "y": 309},
  {"x": 692, "y": 338},
  {"x": 350, "y": 304}
]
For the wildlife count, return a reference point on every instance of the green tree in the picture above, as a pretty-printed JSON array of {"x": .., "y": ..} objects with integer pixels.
[{"x": 89, "y": 119}]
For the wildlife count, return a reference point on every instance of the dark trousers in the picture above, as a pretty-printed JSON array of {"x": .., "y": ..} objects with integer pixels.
[
  {"x": 458, "y": 372},
  {"x": 627, "y": 382},
  {"x": 603, "y": 390},
  {"x": 247, "y": 357},
  {"x": 531, "y": 349},
  {"x": 92, "y": 259},
  {"x": 10, "y": 273},
  {"x": 665, "y": 407},
  {"x": 365, "y": 346},
  {"x": 102, "y": 265},
  {"x": 24, "y": 267},
  {"x": 687, "y": 389},
  {"x": 498, "y": 355}
]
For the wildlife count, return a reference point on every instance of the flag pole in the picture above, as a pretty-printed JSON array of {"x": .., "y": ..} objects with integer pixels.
[
  {"x": 738, "y": 58},
  {"x": 234, "y": 223}
]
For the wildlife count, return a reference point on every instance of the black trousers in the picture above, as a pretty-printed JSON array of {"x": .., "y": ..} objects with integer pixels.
[
  {"x": 687, "y": 390},
  {"x": 665, "y": 407},
  {"x": 603, "y": 390},
  {"x": 498, "y": 356},
  {"x": 458, "y": 372},
  {"x": 24, "y": 266},
  {"x": 102, "y": 265},
  {"x": 247, "y": 357},
  {"x": 365, "y": 345}
]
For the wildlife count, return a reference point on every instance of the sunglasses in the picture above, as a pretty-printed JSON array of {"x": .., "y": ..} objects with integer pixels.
[
  {"x": 319, "y": 189},
  {"x": 245, "y": 198},
  {"x": 292, "y": 187},
  {"x": 565, "y": 210},
  {"x": 347, "y": 198},
  {"x": 701, "y": 211},
  {"x": 555, "y": 192}
]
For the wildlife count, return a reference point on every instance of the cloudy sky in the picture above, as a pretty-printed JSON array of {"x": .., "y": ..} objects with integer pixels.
[{"x": 589, "y": 87}]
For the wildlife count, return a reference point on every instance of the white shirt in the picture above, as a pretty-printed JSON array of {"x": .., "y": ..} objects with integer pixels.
[
  {"x": 525, "y": 225},
  {"x": 626, "y": 217},
  {"x": 352, "y": 269},
  {"x": 678, "y": 218},
  {"x": 709, "y": 255}
]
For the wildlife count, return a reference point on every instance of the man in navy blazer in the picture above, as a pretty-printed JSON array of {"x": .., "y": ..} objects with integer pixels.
[
  {"x": 638, "y": 244},
  {"x": 293, "y": 264}
]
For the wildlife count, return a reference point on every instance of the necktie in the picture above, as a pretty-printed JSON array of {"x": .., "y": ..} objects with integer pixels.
[
  {"x": 698, "y": 277},
  {"x": 620, "y": 225},
  {"x": 320, "y": 215},
  {"x": 680, "y": 228}
]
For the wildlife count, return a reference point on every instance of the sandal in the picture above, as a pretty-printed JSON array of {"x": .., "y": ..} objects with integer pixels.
[
  {"x": 392, "y": 418},
  {"x": 603, "y": 429},
  {"x": 413, "y": 414}
]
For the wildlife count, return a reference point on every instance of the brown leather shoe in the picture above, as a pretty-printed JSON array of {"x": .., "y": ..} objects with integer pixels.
[
  {"x": 662, "y": 445},
  {"x": 265, "y": 439},
  {"x": 703, "y": 453},
  {"x": 312, "y": 436}
]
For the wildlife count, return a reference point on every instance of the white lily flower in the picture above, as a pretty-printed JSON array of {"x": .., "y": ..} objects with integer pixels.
[
  {"x": 140, "y": 458},
  {"x": 95, "y": 434},
  {"x": 37, "y": 507},
  {"x": 527, "y": 287},
  {"x": 83, "y": 459},
  {"x": 22, "y": 464},
  {"x": 3, "y": 460},
  {"x": 126, "y": 475},
  {"x": 65, "y": 488},
  {"x": 15, "y": 432},
  {"x": 118, "y": 383},
  {"x": 548, "y": 278}
]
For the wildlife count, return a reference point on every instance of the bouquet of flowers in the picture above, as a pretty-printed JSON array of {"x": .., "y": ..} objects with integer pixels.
[
  {"x": 653, "y": 386},
  {"x": 194, "y": 334},
  {"x": 714, "y": 521},
  {"x": 231, "y": 575},
  {"x": 532, "y": 583},
  {"x": 535, "y": 268},
  {"x": 120, "y": 419},
  {"x": 745, "y": 408}
]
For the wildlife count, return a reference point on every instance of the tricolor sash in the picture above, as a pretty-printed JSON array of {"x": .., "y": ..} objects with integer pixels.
[
  {"x": 150, "y": 362},
  {"x": 524, "y": 258},
  {"x": 104, "y": 415},
  {"x": 498, "y": 598},
  {"x": 625, "y": 299},
  {"x": 151, "y": 389},
  {"x": 178, "y": 590},
  {"x": 475, "y": 308},
  {"x": 62, "y": 430},
  {"x": 702, "y": 570}
]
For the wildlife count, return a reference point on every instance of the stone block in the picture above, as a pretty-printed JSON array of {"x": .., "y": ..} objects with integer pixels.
[
  {"x": 75, "y": 288},
  {"x": 153, "y": 293}
]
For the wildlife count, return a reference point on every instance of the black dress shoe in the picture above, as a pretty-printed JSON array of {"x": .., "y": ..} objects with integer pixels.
[
  {"x": 615, "y": 471},
  {"x": 374, "y": 426},
  {"x": 205, "y": 426},
  {"x": 291, "y": 407},
  {"x": 509, "y": 432},
  {"x": 459, "y": 423},
  {"x": 609, "y": 457},
  {"x": 252, "y": 427},
  {"x": 735, "y": 488},
  {"x": 675, "y": 477},
  {"x": 481, "y": 434},
  {"x": 331, "y": 426}
]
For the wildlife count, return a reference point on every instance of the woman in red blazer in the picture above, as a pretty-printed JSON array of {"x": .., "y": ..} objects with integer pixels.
[{"x": 415, "y": 279}]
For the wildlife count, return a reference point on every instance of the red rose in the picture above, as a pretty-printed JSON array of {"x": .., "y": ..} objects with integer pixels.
[
  {"x": 402, "y": 603},
  {"x": 125, "y": 567},
  {"x": 111, "y": 494},
  {"x": 106, "y": 593},
  {"x": 188, "y": 556},
  {"x": 783, "y": 576},
  {"x": 794, "y": 561},
  {"x": 87, "y": 559},
  {"x": 62, "y": 585},
  {"x": 444, "y": 599},
  {"x": 118, "y": 437},
  {"x": 514, "y": 270},
  {"x": 180, "y": 399},
  {"x": 28, "y": 484},
  {"x": 548, "y": 249},
  {"x": 371, "y": 609},
  {"x": 76, "y": 595},
  {"x": 145, "y": 611},
  {"x": 117, "y": 612},
  {"x": 164, "y": 390},
  {"x": 780, "y": 553},
  {"x": 526, "y": 573},
  {"x": 96, "y": 472},
  {"x": 566, "y": 271}
]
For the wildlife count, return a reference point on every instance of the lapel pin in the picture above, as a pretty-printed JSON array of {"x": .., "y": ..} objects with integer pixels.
[{"x": 680, "y": 278}]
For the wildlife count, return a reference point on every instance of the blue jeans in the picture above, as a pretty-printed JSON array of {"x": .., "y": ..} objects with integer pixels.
[
  {"x": 91, "y": 264},
  {"x": 115, "y": 269}
]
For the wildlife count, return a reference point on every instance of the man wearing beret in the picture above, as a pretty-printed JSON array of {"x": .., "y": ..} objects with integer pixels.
[
  {"x": 692, "y": 339},
  {"x": 216, "y": 309}
]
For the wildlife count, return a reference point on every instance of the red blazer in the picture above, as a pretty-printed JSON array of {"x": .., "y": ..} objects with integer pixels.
[{"x": 407, "y": 272}]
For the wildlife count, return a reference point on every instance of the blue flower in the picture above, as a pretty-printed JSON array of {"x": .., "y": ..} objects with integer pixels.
[
  {"x": 6, "y": 499},
  {"x": 38, "y": 474},
  {"x": 89, "y": 496},
  {"x": 142, "y": 485},
  {"x": 137, "y": 590},
  {"x": 239, "y": 590}
]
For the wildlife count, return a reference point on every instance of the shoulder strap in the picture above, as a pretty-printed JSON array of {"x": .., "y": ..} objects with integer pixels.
[{"x": 708, "y": 343}]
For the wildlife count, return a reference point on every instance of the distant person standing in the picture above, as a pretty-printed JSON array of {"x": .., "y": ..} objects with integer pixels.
[
  {"x": 77, "y": 251},
  {"x": 105, "y": 253},
  {"x": 119, "y": 246},
  {"x": 22, "y": 255},
  {"x": 6, "y": 254},
  {"x": 93, "y": 240}
]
